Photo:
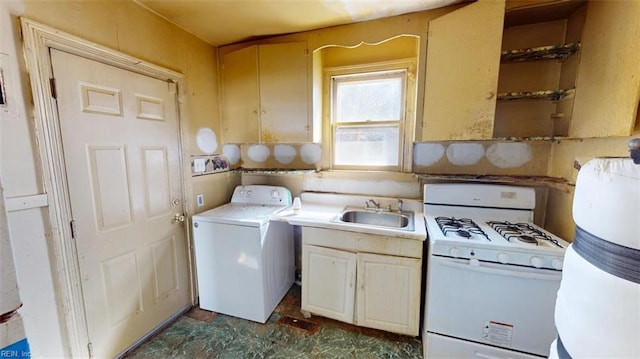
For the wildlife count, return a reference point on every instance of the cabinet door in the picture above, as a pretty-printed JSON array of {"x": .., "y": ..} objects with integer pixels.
[
  {"x": 240, "y": 96},
  {"x": 283, "y": 92},
  {"x": 608, "y": 81},
  {"x": 328, "y": 282},
  {"x": 388, "y": 293},
  {"x": 463, "y": 59}
]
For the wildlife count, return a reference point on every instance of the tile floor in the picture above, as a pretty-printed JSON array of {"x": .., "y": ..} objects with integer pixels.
[{"x": 202, "y": 334}]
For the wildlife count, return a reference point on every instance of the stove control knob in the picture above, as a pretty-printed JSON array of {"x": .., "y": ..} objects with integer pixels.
[
  {"x": 454, "y": 252},
  {"x": 556, "y": 263},
  {"x": 503, "y": 258},
  {"x": 536, "y": 261}
]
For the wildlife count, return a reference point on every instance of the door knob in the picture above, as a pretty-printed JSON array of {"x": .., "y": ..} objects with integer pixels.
[{"x": 179, "y": 217}]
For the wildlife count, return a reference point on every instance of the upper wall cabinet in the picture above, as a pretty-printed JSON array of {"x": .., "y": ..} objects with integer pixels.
[
  {"x": 608, "y": 83},
  {"x": 463, "y": 58},
  {"x": 265, "y": 94}
]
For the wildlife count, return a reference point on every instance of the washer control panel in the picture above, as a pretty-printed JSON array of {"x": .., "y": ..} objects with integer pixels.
[{"x": 262, "y": 194}]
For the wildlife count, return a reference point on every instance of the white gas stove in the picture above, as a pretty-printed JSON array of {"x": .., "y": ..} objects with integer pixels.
[
  {"x": 501, "y": 241},
  {"x": 489, "y": 261},
  {"x": 493, "y": 223}
]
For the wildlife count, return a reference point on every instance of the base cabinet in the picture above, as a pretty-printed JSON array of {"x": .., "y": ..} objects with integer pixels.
[{"x": 375, "y": 290}]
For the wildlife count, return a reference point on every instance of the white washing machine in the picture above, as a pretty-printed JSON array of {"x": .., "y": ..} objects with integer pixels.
[{"x": 244, "y": 261}]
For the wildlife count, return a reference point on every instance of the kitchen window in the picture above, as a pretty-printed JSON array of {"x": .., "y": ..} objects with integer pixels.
[{"x": 368, "y": 112}]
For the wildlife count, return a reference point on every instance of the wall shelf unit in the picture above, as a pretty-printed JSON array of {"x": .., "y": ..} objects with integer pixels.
[{"x": 538, "y": 66}]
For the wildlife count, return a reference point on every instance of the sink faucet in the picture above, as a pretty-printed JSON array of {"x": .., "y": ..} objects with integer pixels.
[
  {"x": 375, "y": 204},
  {"x": 400, "y": 203}
]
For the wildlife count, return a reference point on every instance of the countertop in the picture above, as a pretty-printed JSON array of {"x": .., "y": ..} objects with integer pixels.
[{"x": 322, "y": 211}]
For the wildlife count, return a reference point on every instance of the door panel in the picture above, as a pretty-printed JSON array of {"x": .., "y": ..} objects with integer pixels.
[
  {"x": 121, "y": 150},
  {"x": 110, "y": 186},
  {"x": 120, "y": 275},
  {"x": 283, "y": 92},
  {"x": 158, "y": 196},
  {"x": 463, "y": 60},
  {"x": 165, "y": 268},
  {"x": 397, "y": 311},
  {"x": 328, "y": 282},
  {"x": 241, "y": 96}
]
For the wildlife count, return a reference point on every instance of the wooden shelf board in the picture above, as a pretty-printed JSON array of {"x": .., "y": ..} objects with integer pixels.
[
  {"x": 552, "y": 182},
  {"x": 551, "y": 52},
  {"x": 271, "y": 171},
  {"x": 551, "y": 95}
]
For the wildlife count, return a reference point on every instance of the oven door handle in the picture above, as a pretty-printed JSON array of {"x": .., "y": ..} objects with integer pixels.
[
  {"x": 486, "y": 356},
  {"x": 504, "y": 272}
]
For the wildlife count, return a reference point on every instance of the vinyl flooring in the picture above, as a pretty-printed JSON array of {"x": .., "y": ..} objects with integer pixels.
[{"x": 203, "y": 334}]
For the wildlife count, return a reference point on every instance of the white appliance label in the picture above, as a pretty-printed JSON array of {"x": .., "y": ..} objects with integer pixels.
[{"x": 497, "y": 333}]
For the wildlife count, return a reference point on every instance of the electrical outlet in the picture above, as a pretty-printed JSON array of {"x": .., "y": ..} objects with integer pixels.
[{"x": 200, "y": 200}]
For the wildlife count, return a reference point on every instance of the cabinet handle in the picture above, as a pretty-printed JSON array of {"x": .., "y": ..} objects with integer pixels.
[{"x": 489, "y": 95}]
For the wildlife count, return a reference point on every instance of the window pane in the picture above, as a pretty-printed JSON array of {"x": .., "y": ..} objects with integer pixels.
[
  {"x": 367, "y": 146},
  {"x": 369, "y": 100}
]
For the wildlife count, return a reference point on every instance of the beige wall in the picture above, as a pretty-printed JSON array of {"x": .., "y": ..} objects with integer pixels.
[
  {"x": 566, "y": 157},
  {"x": 131, "y": 29},
  {"x": 42, "y": 315}
]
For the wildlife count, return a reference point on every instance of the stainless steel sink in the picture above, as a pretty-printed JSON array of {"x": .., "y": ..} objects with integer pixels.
[{"x": 397, "y": 220}]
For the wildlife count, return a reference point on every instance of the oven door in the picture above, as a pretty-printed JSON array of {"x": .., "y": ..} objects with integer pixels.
[{"x": 501, "y": 305}]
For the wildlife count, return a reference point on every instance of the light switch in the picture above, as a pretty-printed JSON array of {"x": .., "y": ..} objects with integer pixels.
[
  {"x": 200, "y": 200},
  {"x": 199, "y": 165}
]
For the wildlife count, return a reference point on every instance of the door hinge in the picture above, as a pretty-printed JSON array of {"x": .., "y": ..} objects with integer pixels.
[
  {"x": 90, "y": 349},
  {"x": 73, "y": 230},
  {"x": 52, "y": 84},
  {"x": 173, "y": 87}
]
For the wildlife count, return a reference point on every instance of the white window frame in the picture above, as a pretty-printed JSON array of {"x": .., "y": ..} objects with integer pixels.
[{"x": 405, "y": 125}]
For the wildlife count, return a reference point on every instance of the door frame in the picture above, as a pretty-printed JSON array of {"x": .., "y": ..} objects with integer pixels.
[{"x": 38, "y": 40}]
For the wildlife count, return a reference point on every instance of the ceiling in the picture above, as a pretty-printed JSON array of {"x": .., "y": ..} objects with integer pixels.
[{"x": 221, "y": 22}]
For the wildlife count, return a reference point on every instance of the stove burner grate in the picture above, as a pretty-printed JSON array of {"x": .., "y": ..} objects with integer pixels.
[
  {"x": 523, "y": 232},
  {"x": 462, "y": 227}
]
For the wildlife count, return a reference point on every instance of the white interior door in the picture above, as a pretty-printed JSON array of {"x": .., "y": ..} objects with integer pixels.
[{"x": 120, "y": 137}]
